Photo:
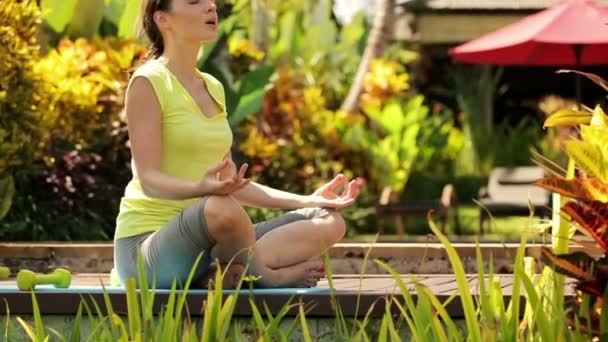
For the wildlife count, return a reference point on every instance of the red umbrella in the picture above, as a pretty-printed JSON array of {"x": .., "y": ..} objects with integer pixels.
[{"x": 571, "y": 33}]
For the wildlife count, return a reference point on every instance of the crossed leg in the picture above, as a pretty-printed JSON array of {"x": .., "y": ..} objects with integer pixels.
[{"x": 288, "y": 256}]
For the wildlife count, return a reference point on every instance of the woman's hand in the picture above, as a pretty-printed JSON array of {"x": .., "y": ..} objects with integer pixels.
[
  {"x": 223, "y": 179},
  {"x": 328, "y": 197}
]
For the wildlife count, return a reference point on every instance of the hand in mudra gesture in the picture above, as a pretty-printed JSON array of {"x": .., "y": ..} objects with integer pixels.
[
  {"x": 224, "y": 179},
  {"x": 327, "y": 195}
]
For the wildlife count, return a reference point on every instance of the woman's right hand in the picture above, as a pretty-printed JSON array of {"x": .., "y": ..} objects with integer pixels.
[{"x": 211, "y": 184}]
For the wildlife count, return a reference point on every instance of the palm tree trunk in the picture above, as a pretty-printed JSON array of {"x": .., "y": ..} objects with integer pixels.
[
  {"x": 378, "y": 37},
  {"x": 261, "y": 23}
]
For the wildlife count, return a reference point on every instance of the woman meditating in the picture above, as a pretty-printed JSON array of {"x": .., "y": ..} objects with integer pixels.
[{"x": 187, "y": 195}]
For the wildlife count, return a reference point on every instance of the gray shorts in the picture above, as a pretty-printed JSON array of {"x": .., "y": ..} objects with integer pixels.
[{"x": 170, "y": 252}]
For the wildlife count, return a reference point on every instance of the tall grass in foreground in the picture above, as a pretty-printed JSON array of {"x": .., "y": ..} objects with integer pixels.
[{"x": 415, "y": 314}]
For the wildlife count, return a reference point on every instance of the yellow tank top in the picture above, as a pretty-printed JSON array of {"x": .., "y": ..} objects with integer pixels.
[{"x": 191, "y": 143}]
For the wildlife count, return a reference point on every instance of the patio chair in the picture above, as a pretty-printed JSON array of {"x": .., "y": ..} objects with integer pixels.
[
  {"x": 442, "y": 207},
  {"x": 508, "y": 191}
]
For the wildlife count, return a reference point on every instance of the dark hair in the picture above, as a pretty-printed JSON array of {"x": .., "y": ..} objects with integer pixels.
[{"x": 149, "y": 27}]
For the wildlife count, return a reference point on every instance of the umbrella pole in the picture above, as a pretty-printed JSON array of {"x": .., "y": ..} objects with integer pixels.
[{"x": 578, "y": 52}]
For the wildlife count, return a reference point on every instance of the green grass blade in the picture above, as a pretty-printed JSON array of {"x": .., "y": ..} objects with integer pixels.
[
  {"x": 226, "y": 316},
  {"x": 117, "y": 321},
  {"x": 383, "y": 332},
  {"x": 514, "y": 305},
  {"x": 361, "y": 333},
  {"x": 538, "y": 315},
  {"x": 75, "y": 335},
  {"x": 95, "y": 334},
  {"x": 104, "y": 327},
  {"x": 182, "y": 298},
  {"x": 275, "y": 322},
  {"x": 417, "y": 326},
  {"x": 291, "y": 329},
  {"x": 133, "y": 314},
  {"x": 471, "y": 318},
  {"x": 59, "y": 336},
  {"x": 486, "y": 311},
  {"x": 363, "y": 325},
  {"x": 109, "y": 309},
  {"x": 498, "y": 304},
  {"x": 29, "y": 330},
  {"x": 38, "y": 325},
  {"x": 257, "y": 318},
  {"x": 454, "y": 335},
  {"x": 207, "y": 319},
  {"x": 424, "y": 312},
  {"x": 304, "y": 325},
  {"x": 528, "y": 271},
  {"x": 408, "y": 319},
  {"x": 361, "y": 275},
  {"x": 425, "y": 304},
  {"x": 168, "y": 320},
  {"x": 8, "y": 321},
  {"x": 341, "y": 326},
  {"x": 146, "y": 296}
]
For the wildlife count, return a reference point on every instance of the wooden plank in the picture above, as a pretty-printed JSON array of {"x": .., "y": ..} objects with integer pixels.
[{"x": 370, "y": 292}]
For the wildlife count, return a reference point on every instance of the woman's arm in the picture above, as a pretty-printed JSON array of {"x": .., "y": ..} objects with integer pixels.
[
  {"x": 258, "y": 195},
  {"x": 261, "y": 196},
  {"x": 144, "y": 124}
]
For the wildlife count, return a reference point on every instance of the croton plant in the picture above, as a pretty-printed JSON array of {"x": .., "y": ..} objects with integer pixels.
[{"x": 587, "y": 207}]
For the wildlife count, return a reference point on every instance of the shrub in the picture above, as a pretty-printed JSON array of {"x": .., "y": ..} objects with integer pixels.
[
  {"x": 23, "y": 96},
  {"x": 82, "y": 168}
]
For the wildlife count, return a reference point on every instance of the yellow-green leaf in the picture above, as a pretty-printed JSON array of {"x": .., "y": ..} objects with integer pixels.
[
  {"x": 599, "y": 119},
  {"x": 587, "y": 157},
  {"x": 568, "y": 117}
]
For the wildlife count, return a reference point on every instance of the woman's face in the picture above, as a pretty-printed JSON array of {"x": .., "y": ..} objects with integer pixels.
[{"x": 191, "y": 20}]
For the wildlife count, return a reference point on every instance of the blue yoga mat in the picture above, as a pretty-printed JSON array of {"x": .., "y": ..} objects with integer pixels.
[{"x": 120, "y": 290}]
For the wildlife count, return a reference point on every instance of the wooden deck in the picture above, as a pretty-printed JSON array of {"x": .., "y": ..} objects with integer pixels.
[{"x": 355, "y": 295}]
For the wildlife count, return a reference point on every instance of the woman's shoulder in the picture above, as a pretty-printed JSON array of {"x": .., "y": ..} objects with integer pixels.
[{"x": 149, "y": 68}]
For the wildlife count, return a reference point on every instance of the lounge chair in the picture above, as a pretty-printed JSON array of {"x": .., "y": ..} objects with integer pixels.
[
  {"x": 508, "y": 191},
  {"x": 398, "y": 211}
]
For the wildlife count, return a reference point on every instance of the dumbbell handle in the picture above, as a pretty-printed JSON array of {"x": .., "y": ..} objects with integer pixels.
[{"x": 46, "y": 278}]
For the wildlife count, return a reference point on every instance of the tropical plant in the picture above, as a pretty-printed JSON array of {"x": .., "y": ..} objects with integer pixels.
[
  {"x": 585, "y": 206},
  {"x": 475, "y": 88},
  {"x": 23, "y": 96},
  {"x": 88, "y": 18}
]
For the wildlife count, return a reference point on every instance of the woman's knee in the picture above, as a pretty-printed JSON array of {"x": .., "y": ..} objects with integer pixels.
[
  {"x": 225, "y": 215},
  {"x": 335, "y": 224}
]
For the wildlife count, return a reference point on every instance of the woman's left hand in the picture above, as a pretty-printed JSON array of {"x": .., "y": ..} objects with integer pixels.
[{"x": 327, "y": 195}]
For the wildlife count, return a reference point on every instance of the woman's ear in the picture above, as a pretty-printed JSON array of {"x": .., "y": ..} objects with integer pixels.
[{"x": 161, "y": 20}]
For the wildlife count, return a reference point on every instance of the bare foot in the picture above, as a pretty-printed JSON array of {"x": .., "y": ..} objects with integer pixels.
[
  {"x": 231, "y": 276},
  {"x": 305, "y": 274}
]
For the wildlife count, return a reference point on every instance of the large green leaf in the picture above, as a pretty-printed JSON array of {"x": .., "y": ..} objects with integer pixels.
[
  {"x": 58, "y": 13},
  {"x": 86, "y": 19},
  {"x": 126, "y": 27},
  {"x": 391, "y": 117},
  {"x": 248, "y": 104},
  {"x": 114, "y": 9},
  {"x": 255, "y": 79}
]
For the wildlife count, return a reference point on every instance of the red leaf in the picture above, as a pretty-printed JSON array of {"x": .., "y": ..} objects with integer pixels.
[{"x": 592, "y": 217}]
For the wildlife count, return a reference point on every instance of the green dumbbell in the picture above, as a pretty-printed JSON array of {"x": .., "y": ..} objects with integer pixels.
[
  {"x": 5, "y": 272},
  {"x": 27, "y": 280}
]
